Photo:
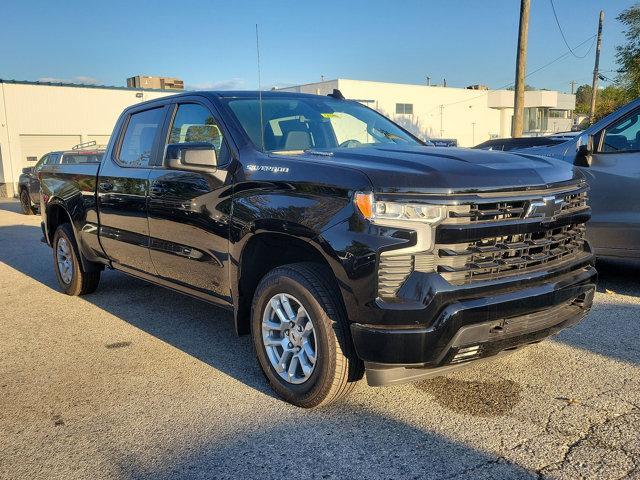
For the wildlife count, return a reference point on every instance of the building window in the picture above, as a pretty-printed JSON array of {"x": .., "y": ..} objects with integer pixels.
[
  {"x": 558, "y": 113},
  {"x": 404, "y": 108}
]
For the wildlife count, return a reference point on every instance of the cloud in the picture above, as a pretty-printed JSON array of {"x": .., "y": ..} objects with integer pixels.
[
  {"x": 82, "y": 79},
  {"x": 231, "y": 84}
]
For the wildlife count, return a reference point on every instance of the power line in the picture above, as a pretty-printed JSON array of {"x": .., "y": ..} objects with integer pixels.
[
  {"x": 510, "y": 84},
  {"x": 562, "y": 33}
]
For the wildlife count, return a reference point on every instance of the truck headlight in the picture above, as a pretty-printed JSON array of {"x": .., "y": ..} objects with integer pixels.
[
  {"x": 421, "y": 218},
  {"x": 379, "y": 211}
]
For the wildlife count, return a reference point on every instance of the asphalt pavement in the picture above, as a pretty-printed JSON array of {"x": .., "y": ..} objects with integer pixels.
[{"x": 135, "y": 381}]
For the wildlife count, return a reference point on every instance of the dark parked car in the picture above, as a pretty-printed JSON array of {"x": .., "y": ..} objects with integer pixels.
[
  {"x": 29, "y": 183},
  {"x": 608, "y": 153},
  {"x": 339, "y": 241},
  {"x": 508, "y": 144},
  {"x": 444, "y": 142}
]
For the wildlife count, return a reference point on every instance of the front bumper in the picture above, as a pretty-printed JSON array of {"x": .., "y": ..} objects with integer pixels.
[{"x": 472, "y": 327}]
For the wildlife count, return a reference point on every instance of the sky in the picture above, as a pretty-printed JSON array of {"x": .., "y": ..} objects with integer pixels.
[{"x": 212, "y": 44}]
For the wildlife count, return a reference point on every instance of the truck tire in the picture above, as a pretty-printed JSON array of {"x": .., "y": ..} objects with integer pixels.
[
  {"x": 73, "y": 280},
  {"x": 301, "y": 335},
  {"x": 25, "y": 202}
]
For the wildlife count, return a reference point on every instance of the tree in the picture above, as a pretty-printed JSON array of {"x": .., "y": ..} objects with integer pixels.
[
  {"x": 628, "y": 55},
  {"x": 608, "y": 100},
  {"x": 583, "y": 99},
  {"x": 527, "y": 87}
]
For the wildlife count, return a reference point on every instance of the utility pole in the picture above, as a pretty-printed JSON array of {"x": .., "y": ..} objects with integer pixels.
[
  {"x": 428, "y": 81},
  {"x": 594, "y": 85},
  {"x": 573, "y": 86},
  {"x": 517, "y": 125}
]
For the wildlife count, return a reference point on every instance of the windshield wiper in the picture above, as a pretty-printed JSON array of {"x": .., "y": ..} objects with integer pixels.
[{"x": 389, "y": 135}]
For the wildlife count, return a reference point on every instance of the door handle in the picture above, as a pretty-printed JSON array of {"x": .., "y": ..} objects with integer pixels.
[{"x": 106, "y": 186}]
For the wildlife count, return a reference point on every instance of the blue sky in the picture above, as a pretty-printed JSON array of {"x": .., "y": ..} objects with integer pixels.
[{"x": 211, "y": 44}]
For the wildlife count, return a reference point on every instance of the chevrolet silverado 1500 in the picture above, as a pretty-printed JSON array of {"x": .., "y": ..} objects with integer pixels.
[{"x": 341, "y": 243}]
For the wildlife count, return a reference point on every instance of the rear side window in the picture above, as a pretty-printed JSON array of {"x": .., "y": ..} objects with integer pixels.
[
  {"x": 140, "y": 137},
  {"x": 74, "y": 158}
]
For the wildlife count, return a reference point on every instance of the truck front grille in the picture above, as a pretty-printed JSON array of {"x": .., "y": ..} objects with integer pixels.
[
  {"x": 468, "y": 257},
  {"x": 497, "y": 257},
  {"x": 492, "y": 211}
]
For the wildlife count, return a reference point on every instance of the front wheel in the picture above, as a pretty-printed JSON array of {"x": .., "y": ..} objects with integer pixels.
[
  {"x": 301, "y": 336},
  {"x": 25, "y": 203},
  {"x": 73, "y": 280}
]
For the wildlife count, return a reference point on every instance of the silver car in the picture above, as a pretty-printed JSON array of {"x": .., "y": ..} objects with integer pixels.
[{"x": 608, "y": 153}]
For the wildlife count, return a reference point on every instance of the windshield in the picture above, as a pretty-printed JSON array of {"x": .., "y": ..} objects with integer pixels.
[{"x": 298, "y": 124}]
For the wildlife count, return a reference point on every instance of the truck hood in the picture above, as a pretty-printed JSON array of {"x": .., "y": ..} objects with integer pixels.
[{"x": 409, "y": 169}]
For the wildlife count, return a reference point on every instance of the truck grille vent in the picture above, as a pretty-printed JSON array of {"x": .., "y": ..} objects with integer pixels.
[
  {"x": 497, "y": 257},
  {"x": 394, "y": 270}
]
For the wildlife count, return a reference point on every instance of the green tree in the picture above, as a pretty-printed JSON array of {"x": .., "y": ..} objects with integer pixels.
[
  {"x": 583, "y": 99},
  {"x": 628, "y": 55}
]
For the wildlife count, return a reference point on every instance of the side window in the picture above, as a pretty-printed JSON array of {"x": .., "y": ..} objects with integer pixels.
[
  {"x": 195, "y": 123},
  {"x": 139, "y": 138},
  {"x": 53, "y": 159},
  {"x": 623, "y": 136},
  {"x": 42, "y": 162},
  {"x": 75, "y": 158}
]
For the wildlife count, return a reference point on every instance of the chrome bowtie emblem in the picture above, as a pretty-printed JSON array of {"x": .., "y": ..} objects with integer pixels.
[{"x": 546, "y": 208}]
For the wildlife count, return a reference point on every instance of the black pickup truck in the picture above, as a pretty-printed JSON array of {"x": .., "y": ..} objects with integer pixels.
[{"x": 340, "y": 242}]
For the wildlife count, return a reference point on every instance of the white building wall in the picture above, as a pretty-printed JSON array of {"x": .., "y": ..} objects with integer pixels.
[
  {"x": 37, "y": 118},
  {"x": 470, "y": 116}
]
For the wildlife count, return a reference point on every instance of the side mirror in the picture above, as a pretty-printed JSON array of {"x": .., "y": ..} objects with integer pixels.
[
  {"x": 196, "y": 156},
  {"x": 27, "y": 170},
  {"x": 584, "y": 151}
]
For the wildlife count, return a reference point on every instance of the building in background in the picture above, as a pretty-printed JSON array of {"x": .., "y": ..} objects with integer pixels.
[
  {"x": 36, "y": 118},
  {"x": 469, "y": 115},
  {"x": 155, "y": 83}
]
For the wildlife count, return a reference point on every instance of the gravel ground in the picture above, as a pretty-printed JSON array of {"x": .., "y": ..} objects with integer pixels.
[{"x": 136, "y": 381}]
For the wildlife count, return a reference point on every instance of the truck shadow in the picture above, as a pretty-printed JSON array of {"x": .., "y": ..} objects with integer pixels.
[
  {"x": 314, "y": 445},
  {"x": 199, "y": 329},
  {"x": 10, "y": 205}
]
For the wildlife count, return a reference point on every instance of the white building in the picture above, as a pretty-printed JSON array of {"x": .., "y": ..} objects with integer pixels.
[
  {"x": 36, "y": 118},
  {"x": 470, "y": 116}
]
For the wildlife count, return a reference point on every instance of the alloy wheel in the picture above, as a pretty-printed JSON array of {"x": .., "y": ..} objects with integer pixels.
[
  {"x": 64, "y": 260},
  {"x": 288, "y": 336}
]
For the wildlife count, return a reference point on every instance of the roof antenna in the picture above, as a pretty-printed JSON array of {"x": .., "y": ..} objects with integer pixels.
[{"x": 260, "y": 90}]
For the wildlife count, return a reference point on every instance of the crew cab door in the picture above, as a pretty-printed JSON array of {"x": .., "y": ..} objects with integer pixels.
[
  {"x": 189, "y": 208},
  {"x": 614, "y": 177},
  {"x": 123, "y": 186}
]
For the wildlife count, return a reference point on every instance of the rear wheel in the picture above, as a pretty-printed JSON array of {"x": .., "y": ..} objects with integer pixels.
[
  {"x": 25, "y": 203},
  {"x": 301, "y": 336},
  {"x": 73, "y": 280}
]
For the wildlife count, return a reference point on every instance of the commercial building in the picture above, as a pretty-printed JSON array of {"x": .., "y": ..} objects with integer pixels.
[
  {"x": 36, "y": 118},
  {"x": 156, "y": 83},
  {"x": 470, "y": 115}
]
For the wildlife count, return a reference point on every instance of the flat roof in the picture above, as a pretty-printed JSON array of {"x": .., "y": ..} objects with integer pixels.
[{"x": 82, "y": 85}]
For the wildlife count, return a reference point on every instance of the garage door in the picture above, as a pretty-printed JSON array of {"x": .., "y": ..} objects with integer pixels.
[{"x": 34, "y": 146}]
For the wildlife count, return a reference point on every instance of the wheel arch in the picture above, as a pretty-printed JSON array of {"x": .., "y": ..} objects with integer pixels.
[
  {"x": 56, "y": 215},
  {"x": 260, "y": 254}
]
